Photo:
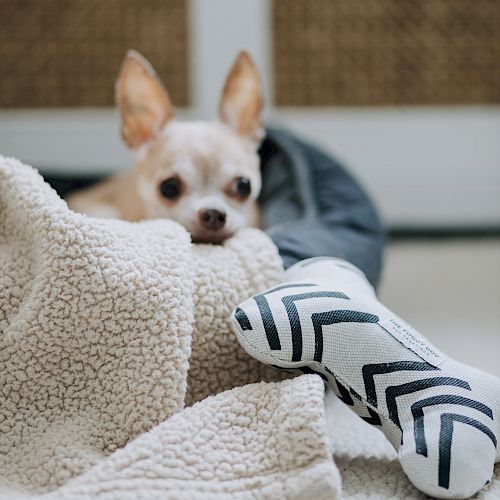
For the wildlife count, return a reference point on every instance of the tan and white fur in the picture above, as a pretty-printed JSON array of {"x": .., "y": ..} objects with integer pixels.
[{"x": 204, "y": 175}]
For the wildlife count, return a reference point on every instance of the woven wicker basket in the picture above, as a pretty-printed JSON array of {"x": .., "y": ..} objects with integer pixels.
[
  {"x": 384, "y": 52},
  {"x": 68, "y": 52}
]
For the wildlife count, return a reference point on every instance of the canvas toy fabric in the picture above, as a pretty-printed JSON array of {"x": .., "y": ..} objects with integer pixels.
[{"x": 442, "y": 417}]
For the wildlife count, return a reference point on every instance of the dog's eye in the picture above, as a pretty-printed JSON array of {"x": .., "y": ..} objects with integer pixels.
[
  {"x": 171, "y": 188},
  {"x": 242, "y": 187}
]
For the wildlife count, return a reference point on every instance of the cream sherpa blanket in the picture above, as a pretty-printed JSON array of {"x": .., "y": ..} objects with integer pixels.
[
  {"x": 109, "y": 329},
  {"x": 100, "y": 323}
]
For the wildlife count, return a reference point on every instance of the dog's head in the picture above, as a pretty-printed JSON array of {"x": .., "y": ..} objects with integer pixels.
[{"x": 204, "y": 175}]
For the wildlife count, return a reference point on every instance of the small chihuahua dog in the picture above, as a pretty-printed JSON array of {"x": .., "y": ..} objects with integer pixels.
[{"x": 203, "y": 175}]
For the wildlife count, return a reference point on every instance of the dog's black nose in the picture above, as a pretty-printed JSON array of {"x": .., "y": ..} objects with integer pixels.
[{"x": 212, "y": 219}]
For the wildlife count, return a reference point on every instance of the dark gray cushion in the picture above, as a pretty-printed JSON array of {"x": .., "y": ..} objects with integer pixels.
[{"x": 311, "y": 206}]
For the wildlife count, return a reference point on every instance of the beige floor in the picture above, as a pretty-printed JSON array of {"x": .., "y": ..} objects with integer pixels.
[{"x": 450, "y": 292}]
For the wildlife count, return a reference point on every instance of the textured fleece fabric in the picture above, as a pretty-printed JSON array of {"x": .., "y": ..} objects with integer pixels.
[{"x": 107, "y": 329}]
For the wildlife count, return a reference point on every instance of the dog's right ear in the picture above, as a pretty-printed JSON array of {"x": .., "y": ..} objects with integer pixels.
[{"x": 144, "y": 103}]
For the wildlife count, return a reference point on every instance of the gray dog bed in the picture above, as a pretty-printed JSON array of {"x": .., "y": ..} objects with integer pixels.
[{"x": 311, "y": 206}]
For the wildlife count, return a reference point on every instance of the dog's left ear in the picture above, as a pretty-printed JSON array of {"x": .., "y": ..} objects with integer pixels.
[
  {"x": 241, "y": 103},
  {"x": 144, "y": 103}
]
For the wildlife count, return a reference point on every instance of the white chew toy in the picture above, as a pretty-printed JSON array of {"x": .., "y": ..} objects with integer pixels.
[{"x": 440, "y": 415}]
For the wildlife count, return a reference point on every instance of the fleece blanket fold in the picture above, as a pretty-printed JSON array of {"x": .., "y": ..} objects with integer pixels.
[{"x": 108, "y": 330}]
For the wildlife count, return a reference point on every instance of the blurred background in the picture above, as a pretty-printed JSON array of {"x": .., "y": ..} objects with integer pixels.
[{"x": 405, "y": 93}]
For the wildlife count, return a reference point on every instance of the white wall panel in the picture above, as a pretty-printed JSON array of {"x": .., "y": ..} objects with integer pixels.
[{"x": 424, "y": 166}]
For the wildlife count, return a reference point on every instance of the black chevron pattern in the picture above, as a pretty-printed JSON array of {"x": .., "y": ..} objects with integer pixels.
[
  {"x": 242, "y": 319},
  {"x": 393, "y": 392},
  {"x": 445, "y": 442},
  {"x": 267, "y": 316},
  {"x": 307, "y": 370},
  {"x": 344, "y": 395},
  {"x": 374, "y": 419},
  {"x": 331, "y": 317},
  {"x": 371, "y": 374},
  {"x": 417, "y": 410},
  {"x": 294, "y": 319}
]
